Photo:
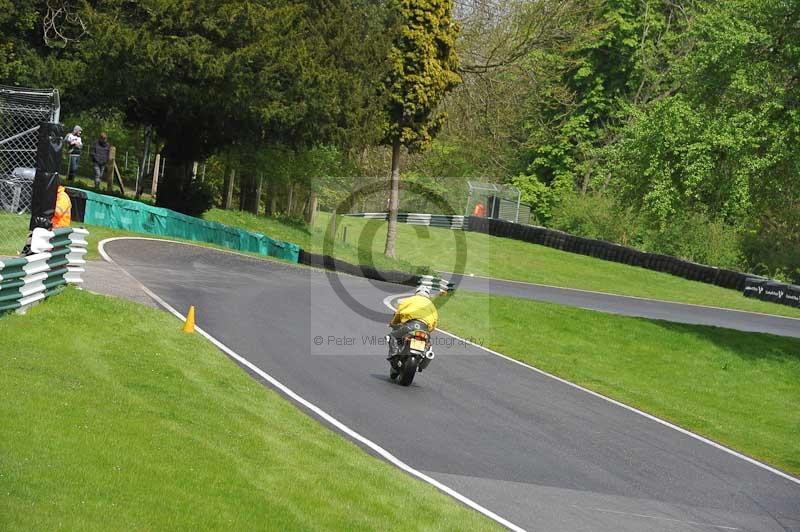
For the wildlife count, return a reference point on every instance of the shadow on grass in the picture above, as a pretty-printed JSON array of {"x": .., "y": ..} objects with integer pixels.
[{"x": 747, "y": 346}]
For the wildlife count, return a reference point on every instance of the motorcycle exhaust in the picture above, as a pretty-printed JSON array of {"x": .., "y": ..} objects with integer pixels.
[{"x": 429, "y": 355}]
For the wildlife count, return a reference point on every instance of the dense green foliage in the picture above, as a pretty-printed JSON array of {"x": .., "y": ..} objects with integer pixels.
[
  {"x": 670, "y": 125},
  {"x": 421, "y": 67},
  {"x": 238, "y": 80},
  {"x": 667, "y": 125}
]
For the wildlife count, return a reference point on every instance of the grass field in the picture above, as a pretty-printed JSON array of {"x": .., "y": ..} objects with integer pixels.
[
  {"x": 423, "y": 249},
  {"x": 125, "y": 423},
  {"x": 740, "y": 389},
  {"x": 511, "y": 259},
  {"x": 312, "y": 239}
]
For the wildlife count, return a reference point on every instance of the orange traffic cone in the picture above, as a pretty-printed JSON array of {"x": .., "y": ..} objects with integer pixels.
[{"x": 188, "y": 327}]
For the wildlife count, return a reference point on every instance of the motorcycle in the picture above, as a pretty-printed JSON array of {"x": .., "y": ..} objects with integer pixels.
[{"x": 414, "y": 353}]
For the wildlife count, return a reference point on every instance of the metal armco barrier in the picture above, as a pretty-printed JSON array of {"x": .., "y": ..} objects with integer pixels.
[
  {"x": 444, "y": 221},
  {"x": 56, "y": 262}
]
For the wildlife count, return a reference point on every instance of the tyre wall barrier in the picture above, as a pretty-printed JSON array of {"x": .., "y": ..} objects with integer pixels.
[
  {"x": 116, "y": 213},
  {"x": 778, "y": 292},
  {"x": 58, "y": 260},
  {"x": 772, "y": 291},
  {"x": 328, "y": 262}
]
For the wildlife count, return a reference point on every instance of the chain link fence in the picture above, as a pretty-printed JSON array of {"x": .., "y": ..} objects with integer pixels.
[
  {"x": 21, "y": 112},
  {"x": 500, "y": 202}
]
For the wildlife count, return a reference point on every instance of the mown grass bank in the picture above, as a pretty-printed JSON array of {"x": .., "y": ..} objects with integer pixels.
[
  {"x": 423, "y": 249},
  {"x": 504, "y": 258},
  {"x": 113, "y": 419},
  {"x": 740, "y": 389}
]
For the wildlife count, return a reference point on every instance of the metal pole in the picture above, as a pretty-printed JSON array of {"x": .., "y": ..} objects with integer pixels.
[
  {"x": 56, "y": 107},
  {"x": 519, "y": 199}
]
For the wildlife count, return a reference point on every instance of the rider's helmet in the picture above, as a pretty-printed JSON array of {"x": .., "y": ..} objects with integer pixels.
[{"x": 423, "y": 291}]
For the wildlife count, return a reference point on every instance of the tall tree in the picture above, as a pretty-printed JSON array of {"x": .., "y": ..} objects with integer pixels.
[{"x": 422, "y": 69}]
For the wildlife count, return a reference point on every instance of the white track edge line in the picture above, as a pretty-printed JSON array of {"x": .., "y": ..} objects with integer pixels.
[
  {"x": 387, "y": 302},
  {"x": 638, "y": 298},
  {"x": 318, "y": 411}
]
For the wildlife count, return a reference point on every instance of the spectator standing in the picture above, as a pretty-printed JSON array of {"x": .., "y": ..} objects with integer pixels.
[
  {"x": 99, "y": 152},
  {"x": 74, "y": 145}
]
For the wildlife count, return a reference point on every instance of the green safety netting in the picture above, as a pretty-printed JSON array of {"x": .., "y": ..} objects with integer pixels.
[{"x": 137, "y": 217}]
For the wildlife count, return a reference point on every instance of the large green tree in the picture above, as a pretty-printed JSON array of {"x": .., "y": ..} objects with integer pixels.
[
  {"x": 724, "y": 144},
  {"x": 422, "y": 69},
  {"x": 213, "y": 74}
]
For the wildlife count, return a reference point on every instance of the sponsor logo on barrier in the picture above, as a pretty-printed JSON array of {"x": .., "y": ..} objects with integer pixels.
[{"x": 773, "y": 293}]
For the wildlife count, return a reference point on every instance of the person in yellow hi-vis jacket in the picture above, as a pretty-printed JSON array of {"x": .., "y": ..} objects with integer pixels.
[
  {"x": 410, "y": 314},
  {"x": 62, "y": 217}
]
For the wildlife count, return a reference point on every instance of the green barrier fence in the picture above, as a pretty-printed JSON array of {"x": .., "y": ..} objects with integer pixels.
[{"x": 137, "y": 217}]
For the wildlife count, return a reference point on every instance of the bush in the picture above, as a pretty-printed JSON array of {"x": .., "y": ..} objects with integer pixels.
[
  {"x": 594, "y": 216},
  {"x": 691, "y": 236},
  {"x": 773, "y": 249},
  {"x": 694, "y": 237},
  {"x": 189, "y": 197}
]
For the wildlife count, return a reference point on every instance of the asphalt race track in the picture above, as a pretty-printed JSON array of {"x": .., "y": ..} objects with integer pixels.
[
  {"x": 633, "y": 306},
  {"x": 538, "y": 452}
]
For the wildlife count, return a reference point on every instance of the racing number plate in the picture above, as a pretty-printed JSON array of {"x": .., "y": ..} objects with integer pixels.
[{"x": 417, "y": 345}]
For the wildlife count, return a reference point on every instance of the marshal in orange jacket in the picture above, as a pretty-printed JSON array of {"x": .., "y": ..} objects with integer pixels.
[{"x": 63, "y": 215}]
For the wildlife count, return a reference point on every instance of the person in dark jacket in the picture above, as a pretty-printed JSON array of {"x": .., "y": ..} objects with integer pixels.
[{"x": 100, "y": 153}]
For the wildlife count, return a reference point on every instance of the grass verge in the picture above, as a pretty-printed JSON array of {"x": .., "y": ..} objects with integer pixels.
[
  {"x": 115, "y": 420},
  {"x": 740, "y": 389},
  {"x": 312, "y": 239},
  {"x": 504, "y": 258},
  {"x": 423, "y": 249}
]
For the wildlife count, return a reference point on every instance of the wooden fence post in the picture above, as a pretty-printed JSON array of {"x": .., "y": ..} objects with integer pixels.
[
  {"x": 156, "y": 171},
  {"x": 112, "y": 155},
  {"x": 229, "y": 193}
]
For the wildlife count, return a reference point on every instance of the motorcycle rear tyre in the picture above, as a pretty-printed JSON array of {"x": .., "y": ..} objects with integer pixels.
[{"x": 408, "y": 371}]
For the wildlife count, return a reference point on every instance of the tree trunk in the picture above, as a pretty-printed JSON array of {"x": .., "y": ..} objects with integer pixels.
[
  {"x": 311, "y": 217},
  {"x": 256, "y": 201},
  {"x": 271, "y": 202},
  {"x": 304, "y": 210},
  {"x": 226, "y": 176},
  {"x": 228, "y": 200},
  {"x": 148, "y": 137},
  {"x": 394, "y": 202},
  {"x": 587, "y": 176},
  {"x": 244, "y": 189},
  {"x": 290, "y": 201}
]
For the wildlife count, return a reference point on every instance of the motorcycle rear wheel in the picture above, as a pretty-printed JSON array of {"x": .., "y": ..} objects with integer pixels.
[{"x": 408, "y": 371}]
